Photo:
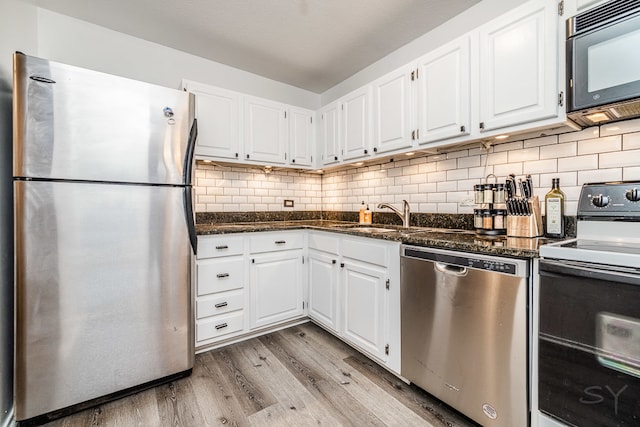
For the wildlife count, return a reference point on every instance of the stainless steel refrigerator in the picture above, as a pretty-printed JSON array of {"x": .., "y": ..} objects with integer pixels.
[{"x": 104, "y": 234}]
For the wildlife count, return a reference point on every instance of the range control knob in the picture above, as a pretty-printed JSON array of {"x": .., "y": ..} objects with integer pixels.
[
  {"x": 633, "y": 195},
  {"x": 600, "y": 200}
]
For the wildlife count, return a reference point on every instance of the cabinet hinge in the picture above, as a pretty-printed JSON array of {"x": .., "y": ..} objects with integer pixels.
[
  {"x": 413, "y": 75},
  {"x": 386, "y": 349},
  {"x": 561, "y": 7},
  {"x": 561, "y": 99},
  {"x": 387, "y": 285}
]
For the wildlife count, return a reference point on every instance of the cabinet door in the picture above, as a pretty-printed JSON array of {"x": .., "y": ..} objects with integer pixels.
[
  {"x": 356, "y": 124},
  {"x": 218, "y": 113},
  {"x": 518, "y": 63},
  {"x": 330, "y": 133},
  {"x": 443, "y": 92},
  {"x": 276, "y": 287},
  {"x": 265, "y": 130},
  {"x": 300, "y": 137},
  {"x": 392, "y": 106},
  {"x": 323, "y": 281},
  {"x": 364, "y": 308}
]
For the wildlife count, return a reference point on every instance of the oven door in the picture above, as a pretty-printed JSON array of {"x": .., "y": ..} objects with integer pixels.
[
  {"x": 589, "y": 344},
  {"x": 602, "y": 65}
]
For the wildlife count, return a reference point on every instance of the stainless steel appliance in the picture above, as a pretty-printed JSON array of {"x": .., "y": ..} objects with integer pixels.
[
  {"x": 589, "y": 314},
  {"x": 603, "y": 63},
  {"x": 103, "y": 222},
  {"x": 464, "y": 331}
]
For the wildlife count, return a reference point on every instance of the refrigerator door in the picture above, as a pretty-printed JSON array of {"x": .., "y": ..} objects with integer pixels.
[
  {"x": 76, "y": 124},
  {"x": 103, "y": 297}
]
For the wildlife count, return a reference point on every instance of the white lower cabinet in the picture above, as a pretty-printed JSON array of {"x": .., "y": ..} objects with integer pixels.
[
  {"x": 219, "y": 289},
  {"x": 354, "y": 291},
  {"x": 277, "y": 282},
  {"x": 250, "y": 283}
]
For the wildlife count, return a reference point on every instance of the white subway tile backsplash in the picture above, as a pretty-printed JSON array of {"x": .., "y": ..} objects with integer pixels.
[
  {"x": 542, "y": 141},
  {"x": 494, "y": 158},
  {"x": 578, "y": 163},
  {"x": 468, "y": 162},
  {"x": 631, "y": 174},
  {"x": 588, "y": 133},
  {"x": 447, "y": 186},
  {"x": 508, "y": 146},
  {"x": 566, "y": 179},
  {"x": 457, "y": 174},
  {"x": 620, "y": 158},
  {"x": 457, "y": 154},
  {"x": 567, "y": 149},
  {"x": 599, "y": 175},
  {"x": 502, "y": 171},
  {"x": 600, "y": 145},
  {"x": 445, "y": 165},
  {"x": 617, "y": 128},
  {"x": 480, "y": 172},
  {"x": 631, "y": 141},
  {"x": 540, "y": 166},
  {"x": 524, "y": 155}
]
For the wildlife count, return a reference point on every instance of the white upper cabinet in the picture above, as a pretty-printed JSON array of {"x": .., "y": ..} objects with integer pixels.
[
  {"x": 330, "y": 133},
  {"x": 444, "y": 84},
  {"x": 218, "y": 114},
  {"x": 393, "y": 111},
  {"x": 265, "y": 131},
  {"x": 301, "y": 136},
  {"x": 356, "y": 124},
  {"x": 518, "y": 66}
]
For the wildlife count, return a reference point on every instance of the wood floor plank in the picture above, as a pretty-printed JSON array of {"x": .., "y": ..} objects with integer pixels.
[
  {"x": 332, "y": 393},
  {"x": 300, "y": 376}
]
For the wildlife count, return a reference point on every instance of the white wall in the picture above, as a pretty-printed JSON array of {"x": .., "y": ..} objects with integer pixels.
[
  {"x": 472, "y": 18},
  {"x": 69, "y": 40}
]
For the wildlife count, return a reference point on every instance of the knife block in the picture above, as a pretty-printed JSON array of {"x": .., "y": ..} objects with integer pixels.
[{"x": 526, "y": 225}]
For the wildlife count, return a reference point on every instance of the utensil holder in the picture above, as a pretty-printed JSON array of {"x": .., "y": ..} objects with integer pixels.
[{"x": 526, "y": 225}]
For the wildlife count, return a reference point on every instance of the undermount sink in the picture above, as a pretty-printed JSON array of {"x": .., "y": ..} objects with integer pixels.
[{"x": 373, "y": 229}]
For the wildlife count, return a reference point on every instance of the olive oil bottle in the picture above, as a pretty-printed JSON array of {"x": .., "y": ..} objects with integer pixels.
[{"x": 554, "y": 210}]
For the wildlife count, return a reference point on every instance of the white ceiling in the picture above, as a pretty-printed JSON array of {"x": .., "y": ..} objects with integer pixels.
[{"x": 311, "y": 44}]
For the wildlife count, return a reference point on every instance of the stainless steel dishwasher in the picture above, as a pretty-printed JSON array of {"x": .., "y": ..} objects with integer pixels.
[{"x": 464, "y": 332}]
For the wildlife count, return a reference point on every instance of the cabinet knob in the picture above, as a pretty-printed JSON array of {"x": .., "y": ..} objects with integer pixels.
[
  {"x": 280, "y": 242},
  {"x": 247, "y": 156},
  {"x": 375, "y": 149},
  {"x": 342, "y": 265},
  {"x": 481, "y": 125},
  {"x": 293, "y": 160},
  {"x": 366, "y": 151},
  {"x": 236, "y": 155},
  {"x": 462, "y": 128},
  {"x": 335, "y": 158},
  {"x": 333, "y": 261}
]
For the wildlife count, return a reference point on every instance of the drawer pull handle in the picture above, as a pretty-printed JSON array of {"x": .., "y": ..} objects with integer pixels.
[
  {"x": 221, "y": 326},
  {"x": 280, "y": 242},
  {"x": 222, "y": 247},
  {"x": 222, "y": 275},
  {"x": 220, "y": 304}
]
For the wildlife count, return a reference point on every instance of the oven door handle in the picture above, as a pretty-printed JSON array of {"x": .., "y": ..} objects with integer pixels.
[{"x": 589, "y": 271}]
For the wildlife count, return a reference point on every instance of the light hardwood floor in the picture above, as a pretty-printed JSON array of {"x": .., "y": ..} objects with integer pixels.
[{"x": 300, "y": 376}]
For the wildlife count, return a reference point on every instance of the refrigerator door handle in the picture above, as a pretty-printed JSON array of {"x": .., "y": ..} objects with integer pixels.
[
  {"x": 189, "y": 218},
  {"x": 188, "y": 158}
]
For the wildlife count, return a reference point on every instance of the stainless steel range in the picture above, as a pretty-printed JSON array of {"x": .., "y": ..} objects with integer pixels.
[{"x": 589, "y": 318}]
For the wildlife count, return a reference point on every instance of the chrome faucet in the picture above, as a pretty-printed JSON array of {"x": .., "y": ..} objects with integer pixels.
[{"x": 404, "y": 214}]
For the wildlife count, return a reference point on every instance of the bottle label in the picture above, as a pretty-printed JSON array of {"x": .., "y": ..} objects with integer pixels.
[{"x": 554, "y": 215}]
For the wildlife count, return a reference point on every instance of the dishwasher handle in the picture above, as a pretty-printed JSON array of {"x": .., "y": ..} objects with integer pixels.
[{"x": 454, "y": 270}]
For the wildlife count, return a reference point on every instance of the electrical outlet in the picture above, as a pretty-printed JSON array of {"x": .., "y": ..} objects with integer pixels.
[
  {"x": 466, "y": 203},
  {"x": 288, "y": 203}
]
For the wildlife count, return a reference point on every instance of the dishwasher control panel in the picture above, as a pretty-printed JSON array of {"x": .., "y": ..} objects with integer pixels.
[{"x": 499, "y": 266}]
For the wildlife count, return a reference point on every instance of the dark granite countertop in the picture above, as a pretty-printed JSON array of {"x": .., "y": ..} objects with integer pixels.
[{"x": 455, "y": 239}]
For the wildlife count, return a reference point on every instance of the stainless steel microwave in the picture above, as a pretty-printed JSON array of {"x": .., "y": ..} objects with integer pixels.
[{"x": 603, "y": 63}]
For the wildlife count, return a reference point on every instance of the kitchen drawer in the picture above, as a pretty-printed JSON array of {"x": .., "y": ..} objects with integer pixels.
[
  {"x": 218, "y": 326},
  {"x": 269, "y": 242},
  {"x": 220, "y": 303},
  {"x": 367, "y": 250},
  {"x": 219, "y": 275},
  {"x": 218, "y": 246},
  {"x": 324, "y": 242}
]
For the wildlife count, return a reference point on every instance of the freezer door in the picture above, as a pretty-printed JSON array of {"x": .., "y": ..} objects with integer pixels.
[
  {"x": 73, "y": 123},
  {"x": 103, "y": 297}
]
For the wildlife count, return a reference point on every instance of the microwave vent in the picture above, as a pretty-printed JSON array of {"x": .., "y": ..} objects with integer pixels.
[
  {"x": 614, "y": 9},
  {"x": 629, "y": 109}
]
